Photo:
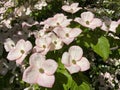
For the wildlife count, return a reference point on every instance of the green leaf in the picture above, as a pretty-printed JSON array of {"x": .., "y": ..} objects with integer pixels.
[
  {"x": 102, "y": 47},
  {"x": 82, "y": 86},
  {"x": 62, "y": 70},
  {"x": 80, "y": 82}
]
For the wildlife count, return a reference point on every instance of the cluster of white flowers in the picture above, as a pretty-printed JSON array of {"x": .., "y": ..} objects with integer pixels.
[{"x": 55, "y": 32}]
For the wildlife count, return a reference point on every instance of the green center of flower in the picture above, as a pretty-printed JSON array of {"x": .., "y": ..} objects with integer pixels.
[
  {"x": 73, "y": 61},
  {"x": 71, "y": 9},
  {"x": 22, "y": 51},
  {"x": 108, "y": 26},
  {"x": 12, "y": 45},
  {"x": 55, "y": 42},
  {"x": 44, "y": 46},
  {"x": 58, "y": 24},
  {"x": 87, "y": 22},
  {"x": 67, "y": 35},
  {"x": 41, "y": 70}
]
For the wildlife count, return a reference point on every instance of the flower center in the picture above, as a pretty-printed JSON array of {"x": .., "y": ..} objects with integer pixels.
[
  {"x": 67, "y": 35},
  {"x": 87, "y": 22},
  {"x": 108, "y": 26},
  {"x": 50, "y": 28},
  {"x": 73, "y": 61},
  {"x": 12, "y": 45},
  {"x": 58, "y": 24},
  {"x": 41, "y": 70},
  {"x": 55, "y": 42},
  {"x": 71, "y": 9},
  {"x": 44, "y": 46},
  {"x": 22, "y": 51}
]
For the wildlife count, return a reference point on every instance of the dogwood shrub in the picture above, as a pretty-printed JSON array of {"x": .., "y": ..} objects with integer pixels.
[{"x": 59, "y": 45}]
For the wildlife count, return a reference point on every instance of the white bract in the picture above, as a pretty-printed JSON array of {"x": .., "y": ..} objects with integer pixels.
[
  {"x": 42, "y": 45},
  {"x": 20, "y": 51},
  {"x": 112, "y": 27},
  {"x": 9, "y": 44},
  {"x": 73, "y": 8},
  {"x": 56, "y": 42},
  {"x": 67, "y": 35},
  {"x": 40, "y": 71},
  {"x": 87, "y": 19},
  {"x": 74, "y": 61}
]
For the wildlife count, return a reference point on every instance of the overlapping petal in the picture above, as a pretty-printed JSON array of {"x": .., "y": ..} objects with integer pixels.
[
  {"x": 28, "y": 46},
  {"x": 75, "y": 32},
  {"x": 50, "y": 66},
  {"x": 95, "y": 23},
  {"x": 20, "y": 60},
  {"x": 65, "y": 59},
  {"x": 45, "y": 80},
  {"x": 75, "y": 52},
  {"x": 36, "y": 60},
  {"x": 73, "y": 68},
  {"x": 30, "y": 75},
  {"x": 84, "y": 64},
  {"x": 67, "y": 41},
  {"x": 87, "y": 16},
  {"x": 14, "y": 54}
]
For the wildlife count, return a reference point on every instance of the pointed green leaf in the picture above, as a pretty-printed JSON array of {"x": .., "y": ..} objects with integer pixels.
[
  {"x": 102, "y": 47},
  {"x": 82, "y": 86}
]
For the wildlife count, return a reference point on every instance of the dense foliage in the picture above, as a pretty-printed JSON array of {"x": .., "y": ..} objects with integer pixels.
[{"x": 59, "y": 45}]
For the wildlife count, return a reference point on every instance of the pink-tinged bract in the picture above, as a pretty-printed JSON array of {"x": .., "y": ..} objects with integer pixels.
[
  {"x": 56, "y": 43},
  {"x": 73, "y": 8},
  {"x": 58, "y": 20},
  {"x": 67, "y": 35},
  {"x": 111, "y": 27},
  {"x": 42, "y": 45},
  {"x": 9, "y": 44},
  {"x": 41, "y": 71},
  {"x": 74, "y": 61},
  {"x": 20, "y": 51},
  {"x": 87, "y": 19}
]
